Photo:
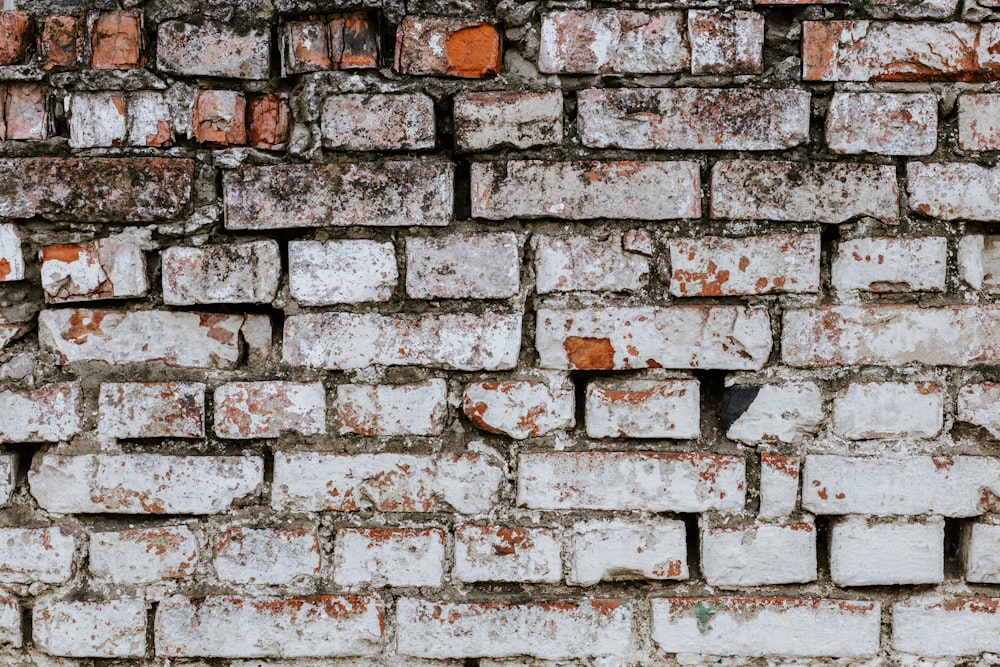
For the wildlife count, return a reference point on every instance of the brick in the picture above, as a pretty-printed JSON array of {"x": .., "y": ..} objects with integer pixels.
[
  {"x": 10, "y": 623},
  {"x": 560, "y": 629},
  {"x": 726, "y": 42},
  {"x": 979, "y": 262},
  {"x": 269, "y": 409},
  {"x": 866, "y": 410},
  {"x": 891, "y": 264},
  {"x": 463, "y": 341},
  {"x": 445, "y": 46},
  {"x": 651, "y": 337},
  {"x": 894, "y": 124},
  {"x": 617, "y": 549},
  {"x": 886, "y": 335},
  {"x": 149, "y": 119},
  {"x": 950, "y": 626},
  {"x": 8, "y": 478},
  {"x": 27, "y": 112},
  {"x": 519, "y": 409},
  {"x": 979, "y": 404},
  {"x": 51, "y": 413},
  {"x": 507, "y": 553},
  {"x": 379, "y": 557},
  {"x": 584, "y": 190},
  {"x": 786, "y": 412},
  {"x": 265, "y": 556},
  {"x": 11, "y": 257},
  {"x": 978, "y": 124},
  {"x": 384, "y": 194},
  {"x": 613, "y": 41},
  {"x": 152, "y": 410},
  {"x": 144, "y": 483},
  {"x": 864, "y": 552},
  {"x": 17, "y": 35},
  {"x": 90, "y": 628},
  {"x": 61, "y": 45},
  {"x": 219, "y": 117},
  {"x": 782, "y": 191},
  {"x": 507, "y": 119},
  {"x": 225, "y": 273},
  {"x": 354, "y": 40},
  {"x": 316, "y": 482},
  {"x": 187, "y": 340},
  {"x": 305, "y": 47},
  {"x": 212, "y": 48},
  {"x": 887, "y": 51},
  {"x": 96, "y": 119},
  {"x": 693, "y": 118},
  {"x": 378, "y": 122},
  {"x": 598, "y": 263},
  {"x": 779, "y": 485},
  {"x": 118, "y": 41},
  {"x": 463, "y": 266},
  {"x": 29, "y": 555},
  {"x": 143, "y": 555},
  {"x": 982, "y": 553},
  {"x": 758, "y": 555},
  {"x": 957, "y": 486},
  {"x": 954, "y": 190},
  {"x": 268, "y": 627},
  {"x": 937, "y": 9},
  {"x": 387, "y": 410},
  {"x": 649, "y": 481},
  {"x": 113, "y": 267},
  {"x": 349, "y": 271},
  {"x": 753, "y": 627},
  {"x": 269, "y": 119},
  {"x": 643, "y": 409},
  {"x": 96, "y": 189}
]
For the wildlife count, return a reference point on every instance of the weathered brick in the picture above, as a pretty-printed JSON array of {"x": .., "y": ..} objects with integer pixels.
[
  {"x": 560, "y": 629},
  {"x": 864, "y": 552},
  {"x": 751, "y": 627},
  {"x": 386, "y": 410},
  {"x": 693, "y": 118},
  {"x": 314, "y": 482},
  {"x": 954, "y": 190},
  {"x": 8, "y": 478},
  {"x": 380, "y": 557},
  {"x": 149, "y": 119},
  {"x": 866, "y": 410},
  {"x": 265, "y": 556},
  {"x": 729, "y": 337},
  {"x": 779, "y": 485},
  {"x": 643, "y": 409},
  {"x": 96, "y": 119},
  {"x": 231, "y": 627},
  {"x": 979, "y": 404},
  {"x": 613, "y": 41},
  {"x": 784, "y": 412},
  {"x": 445, "y": 46},
  {"x": 894, "y": 124},
  {"x": 981, "y": 553},
  {"x": 269, "y": 121},
  {"x": 61, "y": 45},
  {"x": 650, "y": 481},
  {"x": 886, "y": 335},
  {"x": 463, "y": 266},
  {"x": 144, "y": 483},
  {"x": 50, "y": 413},
  {"x": 617, "y": 549},
  {"x": 949, "y": 626},
  {"x": 378, "y": 122},
  {"x": 582, "y": 190},
  {"x": 354, "y": 40},
  {"x": 11, "y": 633},
  {"x": 950, "y": 486},
  {"x": 90, "y": 628},
  {"x": 152, "y": 410},
  {"x": 305, "y": 47},
  {"x": 519, "y": 409},
  {"x": 782, "y": 191},
  {"x": 11, "y": 257},
  {"x": 143, "y": 555},
  {"x": 758, "y": 555},
  {"x": 29, "y": 555},
  {"x": 510, "y": 118},
  {"x": 219, "y": 117},
  {"x": 212, "y": 48},
  {"x": 269, "y": 409},
  {"x": 17, "y": 35},
  {"x": 349, "y": 271},
  {"x": 979, "y": 122},
  {"x": 225, "y": 273},
  {"x": 507, "y": 553},
  {"x": 598, "y": 263},
  {"x": 726, "y": 42},
  {"x": 118, "y": 41},
  {"x": 463, "y": 341},
  {"x": 26, "y": 112},
  {"x": 891, "y": 264},
  {"x": 385, "y": 194},
  {"x": 979, "y": 262},
  {"x": 113, "y": 267}
]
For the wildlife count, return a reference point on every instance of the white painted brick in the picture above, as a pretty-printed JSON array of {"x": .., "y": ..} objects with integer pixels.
[
  {"x": 982, "y": 553},
  {"x": 8, "y": 477},
  {"x": 979, "y": 262},
  {"x": 351, "y": 271},
  {"x": 225, "y": 273},
  {"x": 979, "y": 122},
  {"x": 726, "y": 42},
  {"x": 144, "y": 555},
  {"x": 113, "y": 267},
  {"x": 758, "y": 555},
  {"x": 954, "y": 190},
  {"x": 785, "y": 412},
  {"x": 891, "y": 265},
  {"x": 617, "y": 549},
  {"x": 882, "y": 123},
  {"x": 519, "y": 409},
  {"x": 152, "y": 410},
  {"x": 149, "y": 119},
  {"x": 387, "y": 410},
  {"x": 516, "y": 119},
  {"x": 507, "y": 553},
  {"x": 979, "y": 404},
  {"x": 643, "y": 409},
  {"x": 779, "y": 485},
  {"x": 945, "y": 627},
  {"x": 10, "y": 623},
  {"x": 868, "y": 552},
  {"x": 28, "y": 555},
  {"x": 463, "y": 266},
  {"x": 11, "y": 257},
  {"x": 265, "y": 556},
  {"x": 377, "y": 122},
  {"x": 380, "y": 557},
  {"x": 588, "y": 264},
  {"x": 269, "y": 409},
  {"x": 96, "y": 119},
  {"x": 48, "y": 414},
  {"x": 90, "y": 629},
  {"x": 212, "y": 48},
  {"x": 866, "y": 410}
]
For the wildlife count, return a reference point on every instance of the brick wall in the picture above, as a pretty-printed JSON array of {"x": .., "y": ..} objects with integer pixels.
[{"x": 455, "y": 333}]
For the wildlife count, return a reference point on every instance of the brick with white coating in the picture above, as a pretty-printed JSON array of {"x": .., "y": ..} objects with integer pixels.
[
  {"x": 643, "y": 409},
  {"x": 320, "y": 481},
  {"x": 514, "y": 119},
  {"x": 867, "y": 552},
  {"x": 11, "y": 257},
  {"x": 779, "y": 485},
  {"x": 507, "y": 553},
  {"x": 650, "y": 481},
  {"x": 224, "y": 273},
  {"x": 729, "y": 337},
  {"x": 620, "y": 549},
  {"x": 386, "y": 410},
  {"x": 726, "y": 42},
  {"x": 378, "y": 122},
  {"x": 212, "y": 48},
  {"x": 758, "y": 555},
  {"x": 27, "y": 112},
  {"x": 11, "y": 632},
  {"x": 90, "y": 628},
  {"x": 979, "y": 122},
  {"x": 561, "y": 629},
  {"x": 8, "y": 477},
  {"x": 349, "y": 271},
  {"x": 143, "y": 555},
  {"x": 28, "y": 555},
  {"x": 981, "y": 553},
  {"x": 519, "y": 409},
  {"x": 952, "y": 626},
  {"x": 786, "y": 412},
  {"x": 463, "y": 266},
  {"x": 266, "y": 556},
  {"x": 867, "y": 410},
  {"x": 144, "y": 483},
  {"x": 150, "y": 120},
  {"x": 448, "y": 46},
  {"x": 891, "y": 264},
  {"x": 882, "y": 123},
  {"x": 979, "y": 262},
  {"x": 151, "y": 410},
  {"x": 979, "y": 404},
  {"x": 954, "y": 190},
  {"x": 588, "y": 264},
  {"x": 379, "y": 557},
  {"x": 96, "y": 119},
  {"x": 113, "y": 267},
  {"x": 269, "y": 409},
  {"x": 50, "y": 413}
]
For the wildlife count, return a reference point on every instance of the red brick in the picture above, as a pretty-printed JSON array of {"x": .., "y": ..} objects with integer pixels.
[
  {"x": 270, "y": 120},
  {"x": 62, "y": 43},
  {"x": 305, "y": 47},
  {"x": 27, "y": 112},
  {"x": 17, "y": 36},
  {"x": 730, "y": 42},
  {"x": 442, "y": 46},
  {"x": 353, "y": 40},
  {"x": 113, "y": 267},
  {"x": 219, "y": 117},
  {"x": 117, "y": 41}
]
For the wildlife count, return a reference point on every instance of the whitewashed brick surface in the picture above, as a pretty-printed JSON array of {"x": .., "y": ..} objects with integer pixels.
[
  {"x": 865, "y": 552},
  {"x": 882, "y": 123},
  {"x": 588, "y": 264},
  {"x": 643, "y": 409},
  {"x": 379, "y": 557},
  {"x": 758, "y": 555},
  {"x": 48, "y": 414},
  {"x": 269, "y": 409},
  {"x": 891, "y": 265},
  {"x": 385, "y": 410},
  {"x": 519, "y": 409},
  {"x": 619, "y": 549},
  {"x": 486, "y": 120},
  {"x": 230, "y": 273},
  {"x": 35, "y": 554},
  {"x": 370, "y": 122},
  {"x": 862, "y": 411},
  {"x": 90, "y": 629},
  {"x": 784, "y": 412},
  {"x": 153, "y": 410},
  {"x": 108, "y": 268},
  {"x": 350, "y": 271},
  {"x": 144, "y": 555},
  {"x": 463, "y": 266},
  {"x": 266, "y": 556},
  {"x": 947, "y": 627},
  {"x": 779, "y": 485},
  {"x": 982, "y": 553},
  {"x": 507, "y": 553}
]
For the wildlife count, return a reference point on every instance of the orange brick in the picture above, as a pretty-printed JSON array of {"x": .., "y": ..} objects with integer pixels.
[
  {"x": 220, "y": 117},
  {"x": 270, "y": 121},
  {"x": 306, "y": 47},
  {"x": 61, "y": 43},
  {"x": 17, "y": 31},
  {"x": 471, "y": 50},
  {"x": 117, "y": 41},
  {"x": 353, "y": 41},
  {"x": 26, "y": 111}
]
